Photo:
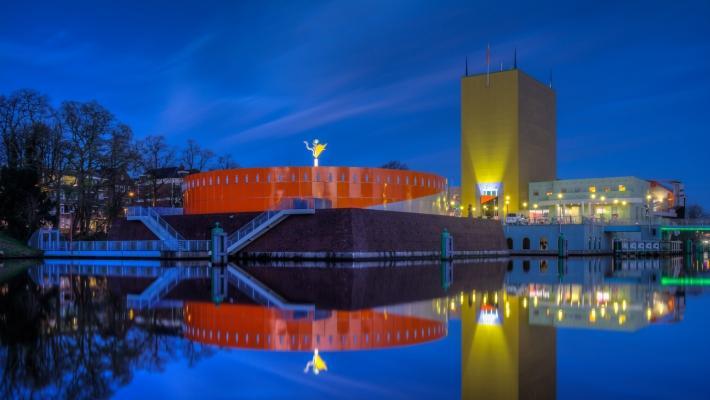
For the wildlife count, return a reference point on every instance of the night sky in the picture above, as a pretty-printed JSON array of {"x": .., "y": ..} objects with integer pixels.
[{"x": 378, "y": 81}]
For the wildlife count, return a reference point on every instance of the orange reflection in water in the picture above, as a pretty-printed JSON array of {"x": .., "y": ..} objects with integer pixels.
[{"x": 257, "y": 327}]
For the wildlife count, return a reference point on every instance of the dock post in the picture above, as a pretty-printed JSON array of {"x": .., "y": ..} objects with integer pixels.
[
  {"x": 218, "y": 246},
  {"x": 447, "y": 245},
  {"x": 561, "y": 246}
]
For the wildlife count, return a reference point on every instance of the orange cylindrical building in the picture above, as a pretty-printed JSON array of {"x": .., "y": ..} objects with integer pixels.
[{"x": 259, "y": 189}]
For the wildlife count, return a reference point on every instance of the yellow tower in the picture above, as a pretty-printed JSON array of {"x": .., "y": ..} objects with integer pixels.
[{"x": 508, "y": 139}]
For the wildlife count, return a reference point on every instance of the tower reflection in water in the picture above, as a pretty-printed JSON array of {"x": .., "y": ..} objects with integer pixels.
[{"x": 508, "y": 340}]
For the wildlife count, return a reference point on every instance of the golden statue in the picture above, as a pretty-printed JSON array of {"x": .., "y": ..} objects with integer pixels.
[{"x": 316, "y": 148}]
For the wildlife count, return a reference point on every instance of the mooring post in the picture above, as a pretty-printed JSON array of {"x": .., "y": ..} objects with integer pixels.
[
  {"x": 218, "y": 246},
  {"x": 447, "y": 245}
]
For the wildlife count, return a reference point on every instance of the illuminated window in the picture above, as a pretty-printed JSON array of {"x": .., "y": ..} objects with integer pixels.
[
  {"x": 226, "y": 180},
  {"x": 592, "y": 189},
  {"x": 548, "y": 194},
  {"x": 622, "y": 188},
  {"x": 236, "y": 179},
  {"x": 246, "y": 178},
  {"x": 607, "y": 189}
]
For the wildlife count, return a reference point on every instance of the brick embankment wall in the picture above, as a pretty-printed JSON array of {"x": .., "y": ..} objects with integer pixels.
[
  {"x": 370, "y": 231},
  {"x": 342, "y": 231},
  {"x": 357, "y": 288}
]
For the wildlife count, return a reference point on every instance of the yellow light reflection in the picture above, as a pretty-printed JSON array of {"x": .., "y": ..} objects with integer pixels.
[
  {"x": 525, "y": 302},
  {"x": 593, "y": 316},
  {"x": 560, "y": 315}
]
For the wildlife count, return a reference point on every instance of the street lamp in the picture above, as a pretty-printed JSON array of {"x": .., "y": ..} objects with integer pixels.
[{"x": 561, "y": 206}]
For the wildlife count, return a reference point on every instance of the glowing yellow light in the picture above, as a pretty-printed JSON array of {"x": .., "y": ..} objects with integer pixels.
[
  {"x": 649, "y": 313},
  {"x": 616, "y": 201},
  {"x": 473, "y": 295},
  {"x": 616, "y": 307},
  {"x": 495, "y": 208},
  {"x": 462, "y": 208},
  {"x": 602, "y": 312},
  {"x": 593, "y": 196},
  {"x": 525, "y": 302},
  {"x": 648, "y": 197},
  {"x": 535, "y": 205},
  {"x": 623, "y": 203},
  {"x": 495, "y": 297},
  {"x": 623, "y": 305},
  {"x": 452, "y": 306},
  {"x": 603, "y": 198},
  {"x": 559, "y": 195},
  {"x": 593, "y": 315},
  {"x": 560, "y": 315},
  {"x": 525, "y": 204},
  {"x": 485, "y": 298},
  {"x": 461, "y": 297},
  {"x": 130, "y": 314},
  {"x": 507, "y": 309},
  {"x": 622, "y": 319},
  {"x": 507, "y": 197},
  {"x": 535, "y": 301}
]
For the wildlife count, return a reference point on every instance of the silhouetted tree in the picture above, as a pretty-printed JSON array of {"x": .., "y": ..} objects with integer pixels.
[
  {"x": 394, "y": 165},
  {"x": 156, "y": 154}
]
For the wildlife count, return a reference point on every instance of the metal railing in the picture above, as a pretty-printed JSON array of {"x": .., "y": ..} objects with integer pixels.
[
  {"x": 267, "y": 216},
  {"x": 261, "y": 293},
  {"x": 125, "y": 245},
  {"x": 154, "y": 216},
  {"x": 168, "y": 210}
]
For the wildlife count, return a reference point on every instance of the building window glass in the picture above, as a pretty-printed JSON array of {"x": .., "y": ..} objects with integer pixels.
[
  {"x": 342, "y": 177},
  {"x": 293, "y": 177},
  {"x": 622, "y": 188},
  {"x": 377, "y": 179},
  {"x": 268, "y": 178},
  {"x": 398, "y": 179},
  {"x": 236, "y": 179},
  {"x": 226, "y": 180},
  {"x": 257, "y": 178},
  {"x": 415, "y": 181},
  {"x": 367, "y": 178},
  {"x": 305, "y": 177},
  {"x": 330, "y": 177},
  {"x": 218, "y": 180},
  {"x": 592, "y": 189},
  {"x": 246, "y": 178},
  {"x": 318, "y": 177},
  {"x": 354, "y": 178}
]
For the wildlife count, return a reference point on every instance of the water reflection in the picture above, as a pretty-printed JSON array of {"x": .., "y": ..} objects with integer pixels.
[{"x": 82, "y": 329}]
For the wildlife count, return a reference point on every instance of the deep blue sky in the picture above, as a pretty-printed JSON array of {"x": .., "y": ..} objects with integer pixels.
[{"x": 378, "y": 81}]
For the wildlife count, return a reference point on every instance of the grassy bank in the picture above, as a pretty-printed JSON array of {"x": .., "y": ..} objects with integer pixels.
[{"x": 14, "y": 248}]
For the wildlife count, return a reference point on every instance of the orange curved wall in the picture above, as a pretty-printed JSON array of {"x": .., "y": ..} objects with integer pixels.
[
  {"x": 259, "y": 189},
  {"x": 256, "y": 327}
]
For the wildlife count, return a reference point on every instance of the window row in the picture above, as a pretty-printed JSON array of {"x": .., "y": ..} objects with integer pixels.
[{"x": 192, "y": 183}]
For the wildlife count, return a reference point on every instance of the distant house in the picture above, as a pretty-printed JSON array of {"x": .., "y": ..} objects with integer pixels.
[{"x": 161, "y": 187}]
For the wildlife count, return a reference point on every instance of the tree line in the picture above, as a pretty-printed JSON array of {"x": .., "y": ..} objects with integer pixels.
[{"x": 79, "y": 151}]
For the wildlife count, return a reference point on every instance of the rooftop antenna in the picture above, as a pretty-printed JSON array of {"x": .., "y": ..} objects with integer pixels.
[
  {"x": 515, "y": 58},
  {"x": 488, "y": 65},
  {"x": 501, "y": 66},
  {"x": 466, "y": 66},
  {"x": 550, "y": 79}
]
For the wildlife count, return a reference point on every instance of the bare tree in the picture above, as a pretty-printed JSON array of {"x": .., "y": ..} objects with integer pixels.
[
  {"x": 225, "y": 161},
  {"x": 88, "y": 126},
  {"x": 122, "y": 156},
  {"x": 156, "y": 154},
  {"x": 194, "y": 157},
  {"x": 394, "y": 165}
]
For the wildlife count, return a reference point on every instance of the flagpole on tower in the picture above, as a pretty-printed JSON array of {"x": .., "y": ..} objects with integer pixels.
[{"x": 488, "y": 65}]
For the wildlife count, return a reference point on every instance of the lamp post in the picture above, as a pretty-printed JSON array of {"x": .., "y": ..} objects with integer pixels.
[
  {"x": 592, "y": 197},
  {"x": 603, "y": 199},
  {"x": 561, "y": 206},
  {"x": 507, "y": 202}
]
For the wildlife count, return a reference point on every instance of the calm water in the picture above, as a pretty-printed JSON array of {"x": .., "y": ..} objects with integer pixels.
[{"x": 526, "y": 328}]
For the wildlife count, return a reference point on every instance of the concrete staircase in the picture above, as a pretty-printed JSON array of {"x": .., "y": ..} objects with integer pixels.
[
  {"x": 260, "y": 225},
  {"x": 160, "y": 228}
]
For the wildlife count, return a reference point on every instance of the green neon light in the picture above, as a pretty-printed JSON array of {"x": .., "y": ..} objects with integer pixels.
[
  {"x": 685, "y": 228},
  {"x": 687, "y": 281}
]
